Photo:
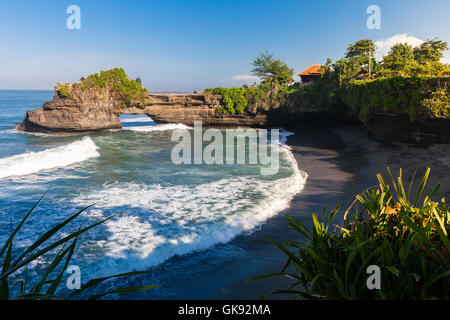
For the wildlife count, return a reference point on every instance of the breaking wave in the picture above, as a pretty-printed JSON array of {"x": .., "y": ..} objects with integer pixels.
[
  {"x": 159, "y": 222},
  {"x": 159, "y": 127},
  {"x": 138, "y": 119},
  {"x": 32, "y": 162}
]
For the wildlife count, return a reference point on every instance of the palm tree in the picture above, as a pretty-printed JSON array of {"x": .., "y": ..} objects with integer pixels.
[{"x": 267, "y": 67}]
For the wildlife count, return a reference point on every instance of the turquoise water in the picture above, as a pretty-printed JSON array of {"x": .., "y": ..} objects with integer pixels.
[{"x": 164, "y": 211}]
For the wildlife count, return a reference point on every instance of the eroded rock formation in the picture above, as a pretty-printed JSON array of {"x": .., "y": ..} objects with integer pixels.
[
  {"x": 100, "y": 108},
  {"x": 96, "y": 110},
  {"x": 193, "y": 107}
]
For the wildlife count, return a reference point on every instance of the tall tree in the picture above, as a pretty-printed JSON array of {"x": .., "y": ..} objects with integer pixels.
[
  {"x": 430, "y": 51},
  {"x": 399, "y": 58},
  {"x": 347, "y": 69},
  {"x": 360, "y": 48},
  {"x": 267, "y": 67},
  {"x": 362, "y": 53}
]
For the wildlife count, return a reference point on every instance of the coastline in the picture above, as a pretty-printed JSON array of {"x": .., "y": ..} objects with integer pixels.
[{"x": 340, "y": 162}]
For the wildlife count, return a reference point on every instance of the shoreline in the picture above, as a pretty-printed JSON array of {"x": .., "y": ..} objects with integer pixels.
[{"x": 340, "y": 162}]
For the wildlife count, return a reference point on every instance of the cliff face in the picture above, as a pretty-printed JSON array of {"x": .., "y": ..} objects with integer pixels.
[
  {"x": 100, "y": 108},
  {"x": 193, "y": 107},
  {"x": 95, "y": 110},
  {"x": 398, "y": 127}
]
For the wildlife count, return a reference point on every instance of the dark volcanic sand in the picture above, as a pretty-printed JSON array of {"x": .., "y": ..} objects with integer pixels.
[{"x": 340, "y": 163}]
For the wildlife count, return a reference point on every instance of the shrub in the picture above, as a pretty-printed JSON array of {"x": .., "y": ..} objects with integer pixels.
[
  {"x": 233, "y": 100},
  {"x": 64, "y": 91},
  {"x": 439, "y": 104},
  {"x": 393, "y": 95},
  {"x": 268, "y": 95},
  {"x": 408, "y": 241},
  {"x": 128, "y": 90}
]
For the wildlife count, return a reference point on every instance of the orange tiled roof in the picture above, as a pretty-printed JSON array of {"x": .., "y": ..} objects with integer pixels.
[{"x": 313, "y": 70}]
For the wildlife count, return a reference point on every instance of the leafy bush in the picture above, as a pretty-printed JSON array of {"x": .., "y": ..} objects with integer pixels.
[
  {"x": 14, "y": 259},
  {"x": 127, "y": 89},
  {"x": 391, "y": 95},
  {"x": 408, "y": 241},
  {"x": 233, "y": 100},
  {"x": 439, "y": 103},
  {"x": 64, "y": 91},
  {"x": 270, "y": 94}
]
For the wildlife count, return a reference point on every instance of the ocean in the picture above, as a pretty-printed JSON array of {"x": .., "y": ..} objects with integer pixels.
[{"x": 167, "y": 216}]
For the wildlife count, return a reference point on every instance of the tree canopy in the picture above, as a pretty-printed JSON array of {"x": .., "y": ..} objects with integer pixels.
[
  {"x": 421, "y": 60},
  {"x": 361, "y": 48},
  {"x": 402, "y": 60},
  {"x": 267, "y": 67},
  {"x": 399, "y": 58},
  {"x": 430, "y": 51}
]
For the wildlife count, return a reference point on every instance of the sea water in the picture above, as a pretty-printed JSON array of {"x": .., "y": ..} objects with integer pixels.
[{"x": 163, "y": 211}]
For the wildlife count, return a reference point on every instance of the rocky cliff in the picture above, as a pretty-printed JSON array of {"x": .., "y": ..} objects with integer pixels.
[
  {"x": 100, "y": 108},
  {"x": 95, "y": 110},
  {"x": 80, "y": 108},
  {"x": 192, "y": 107}
]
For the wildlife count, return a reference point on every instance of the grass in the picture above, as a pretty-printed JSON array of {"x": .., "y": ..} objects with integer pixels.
[
  {"x": 47, "y": 287},
  {"x": 386, "y": 226}
]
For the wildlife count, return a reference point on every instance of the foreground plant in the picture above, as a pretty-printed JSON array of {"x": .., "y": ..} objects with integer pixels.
[
  {"x": 47, "y": 288},
  {"x": 409, "y": 243}
]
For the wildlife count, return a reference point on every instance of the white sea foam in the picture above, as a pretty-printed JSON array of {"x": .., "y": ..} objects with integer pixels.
[
  {"x": 9, "y": 131},
  {"x": 139, "y": 119},
  {"x": 284, "y": 134},
  {"x": 32, "y": 162},
  {"x": 161, "y": 222},
  {"x": 159, "y": 127},
  {"x": 14, "y": 131}
]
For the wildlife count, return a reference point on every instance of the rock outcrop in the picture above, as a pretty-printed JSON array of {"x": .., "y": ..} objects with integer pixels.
[
  {"x": 398, "y": 127},
  {"x": 192, "y": 107},
  {"x": 100, "y": 108},
  {"x": 95, "y": 110}
]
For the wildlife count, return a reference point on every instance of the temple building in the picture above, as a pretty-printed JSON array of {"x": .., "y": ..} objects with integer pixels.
[{"x": 310, "y": 75}]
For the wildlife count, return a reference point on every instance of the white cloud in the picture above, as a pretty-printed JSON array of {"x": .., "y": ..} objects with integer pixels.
[
  {"x": 383, "y": 46},
  {"x": 244, "y": 77}
]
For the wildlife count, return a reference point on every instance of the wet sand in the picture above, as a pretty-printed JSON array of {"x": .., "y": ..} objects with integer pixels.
[{"x": 341, "y": 163}]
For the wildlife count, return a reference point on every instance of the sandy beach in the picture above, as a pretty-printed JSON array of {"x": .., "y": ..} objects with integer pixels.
[{"x": 340, "y": 162}]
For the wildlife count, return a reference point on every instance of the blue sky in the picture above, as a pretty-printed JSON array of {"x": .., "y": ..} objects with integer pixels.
[{"x": 193, "y": 44}]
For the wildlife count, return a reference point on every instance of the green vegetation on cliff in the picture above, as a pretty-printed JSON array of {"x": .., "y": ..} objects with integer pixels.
[
  {"x": 269, "y": 94},
  {"x": 416, "y": 96},
  {"x": 439, "y": 103},
  {"x": 64, "y": 91},
  {"x": 408, "y": 80},
  {"x": 402, "y": 60},
  {"x": 128, "y": 90},
  {"x": 233, "y": 100}
]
